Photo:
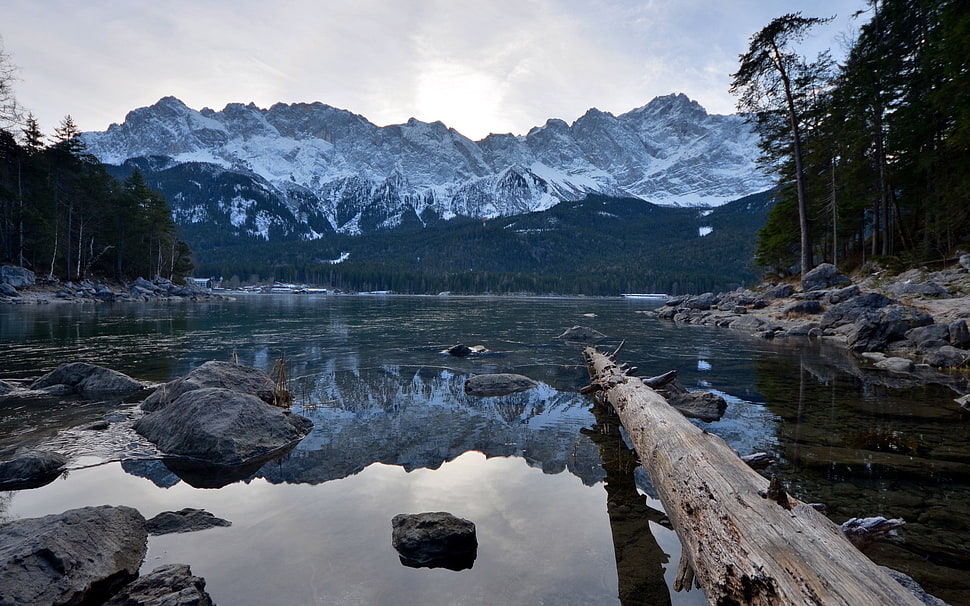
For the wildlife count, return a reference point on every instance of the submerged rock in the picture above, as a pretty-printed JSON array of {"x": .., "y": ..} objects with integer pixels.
[
  {"x": 87, "y": 380},
  {"x": 168, "y": 585},
  {"x": 31, "y": 470},
  {"x": 500, "y": 384},
  {"x": 222, "y": 427},
  {"x": 434, "y": 540},
  {"x": 225, "y": 375},
  {"x": 581, "y": 333},
  {"x": 701, "y": 405},
  {"x": 80, "y": 556},
  {"x": 184, "y": 520}
]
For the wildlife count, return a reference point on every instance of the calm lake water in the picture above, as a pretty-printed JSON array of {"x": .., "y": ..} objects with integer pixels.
[{"x": 563, "y": 513}]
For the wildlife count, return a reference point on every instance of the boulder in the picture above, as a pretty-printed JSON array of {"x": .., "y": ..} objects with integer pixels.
[
  {"x": 459, "y": 350},
  {"x": 803, "y": 307},
  {"x": 18, "y": 277},
  {"x": 959, "y": 335},
  {"x": 921, "y": 289},
  {"x": 8, "y": 291},
  {"x": 6, "y": 388},
  {"x": 929, "y": 337},
  {"x": 703, "y": 302},
  {"x": 31, "y": 470},
  {"x": 948, "y": 357},
  {"x": 144, "y": 284},
  {"x": 168, "y": 585},
  {"x": 434, "y": 540},
  {"x": 875, "y": 330},
  {"x": 841, "y": 295},
  {"x": 79, "y": 556},
  {"x": 225, "y": 375},
  {"x": 849, "y": 311},
  {"x": 965, "y": 261},
  {"x": 782, "y": 291},
  {"x": 500, "y": 384},
  {"x": 581, "y": 333},
  {"x": 702, "y": 405},
  {"x": 824, "y": 276},
  {"x": 899, "y": 365},
  {"x": 184, "y": 520},
  {"x": 748, "y": 323},
  {"x": 87, "y": 380},
  {"x": 222, "y": 427}
]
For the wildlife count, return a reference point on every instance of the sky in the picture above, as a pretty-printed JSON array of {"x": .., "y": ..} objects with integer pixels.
[{"x": 479, "y": 66}]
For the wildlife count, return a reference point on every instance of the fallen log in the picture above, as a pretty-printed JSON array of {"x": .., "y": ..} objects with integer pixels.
[{"x": 739, "y": 546}]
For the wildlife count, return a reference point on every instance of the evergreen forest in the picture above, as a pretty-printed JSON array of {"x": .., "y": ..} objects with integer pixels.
[
  {"x": 63, "y": 216},
  {"x": 872, "y": 152}
]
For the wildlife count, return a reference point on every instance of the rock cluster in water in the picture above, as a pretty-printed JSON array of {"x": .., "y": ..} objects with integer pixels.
[
  {"x": 89, "y": 555},
  {"x": 829, "y": 306}
]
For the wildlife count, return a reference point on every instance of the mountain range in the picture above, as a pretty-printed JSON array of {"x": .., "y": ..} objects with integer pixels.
[{"x": 302, "y": 171}]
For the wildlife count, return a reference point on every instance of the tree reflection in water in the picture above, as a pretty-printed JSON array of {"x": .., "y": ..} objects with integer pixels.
[{"x": 639, "y": 558}]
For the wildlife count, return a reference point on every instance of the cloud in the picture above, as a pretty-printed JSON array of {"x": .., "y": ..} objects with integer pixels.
[{"x": 480, "y": 67}]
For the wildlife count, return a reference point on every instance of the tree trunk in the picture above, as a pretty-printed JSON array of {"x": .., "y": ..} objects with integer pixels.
[{"x": 744, "y": 541}]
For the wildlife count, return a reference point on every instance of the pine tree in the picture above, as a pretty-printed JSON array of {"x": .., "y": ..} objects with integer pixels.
[{"x": 771, "y": 85}]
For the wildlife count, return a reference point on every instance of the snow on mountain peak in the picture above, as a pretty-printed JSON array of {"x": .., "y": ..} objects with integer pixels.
[{"x": 328, "y": 162}]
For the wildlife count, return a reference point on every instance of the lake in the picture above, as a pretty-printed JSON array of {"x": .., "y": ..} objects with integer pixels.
[{"x": 563, "y": 513}]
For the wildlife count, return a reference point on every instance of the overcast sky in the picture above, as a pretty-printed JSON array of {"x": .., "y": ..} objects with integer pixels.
[{"x": 479, "y": 66}]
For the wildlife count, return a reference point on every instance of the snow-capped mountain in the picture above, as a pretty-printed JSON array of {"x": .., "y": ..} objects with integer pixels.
[{"x": 302, "y": 170}]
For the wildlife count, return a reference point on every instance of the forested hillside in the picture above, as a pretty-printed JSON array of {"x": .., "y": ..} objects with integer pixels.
[{"x": 598, "y": 246}]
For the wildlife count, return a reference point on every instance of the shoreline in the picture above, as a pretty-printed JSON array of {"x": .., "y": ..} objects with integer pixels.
[{"x": 910, "y": 324}]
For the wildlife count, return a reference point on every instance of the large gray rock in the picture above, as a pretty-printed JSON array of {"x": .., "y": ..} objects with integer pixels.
[
  {"x": 18, "y": 277},
  {"x": 959, "y": 334},
  {"x": 782, "y": 291},
  {"x": 875, "y": 330},
  {"x": 703, "y": 302},
  {"x": 168, "y": 585},
  {"x": 88, "y": 380},
  {"x": 929, "y": 337},
  {"x": 948, "y": 357},
  {"x": 898, "y": 365},
  {"x": 434, "y": 540},
  {"x": 920, "y": 289},
  {"x": 183, "y": 520},
  {"x": 701, "y": 405},
  {"x": 79, "y": 556},
  {"x": 9, "y": 291},
  {"x": 803, "y": 307},
  {"x": 222, "y": 427},
  {"x": 824, "y": 276},
  {"x": 31, "y": 470},
  {"x": 748, "y": 323},
  {"x": 849, "y": 311},
  {"x": 499, "y": 384},
  {"x": 225, "y": 375},
  {"x": 840, "y": 295}
]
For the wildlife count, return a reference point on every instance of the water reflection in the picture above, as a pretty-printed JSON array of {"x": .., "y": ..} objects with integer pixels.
[
  {"x": 639, "y": 559},
  {"x": 369, "y": 373}
]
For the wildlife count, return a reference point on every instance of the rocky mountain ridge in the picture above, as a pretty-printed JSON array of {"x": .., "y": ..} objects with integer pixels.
[{"x": 303, "y": 170}]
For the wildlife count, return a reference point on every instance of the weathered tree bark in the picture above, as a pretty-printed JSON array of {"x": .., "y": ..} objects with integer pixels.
[{"x": 741, "y": 545}]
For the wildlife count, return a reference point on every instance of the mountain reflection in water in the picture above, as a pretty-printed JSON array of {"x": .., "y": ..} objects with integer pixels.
[{"x": 561, "y": 509}]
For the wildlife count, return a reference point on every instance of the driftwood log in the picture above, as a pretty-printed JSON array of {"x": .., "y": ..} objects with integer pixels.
[{"x": 745, "y": 541}]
